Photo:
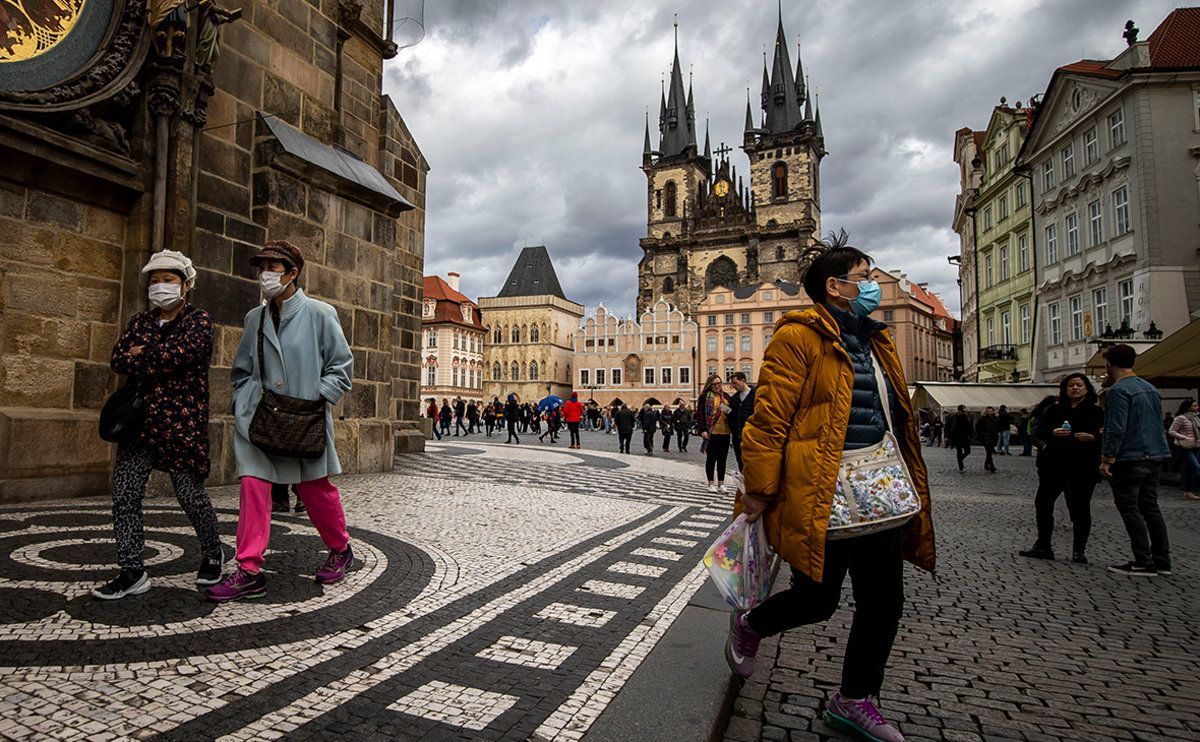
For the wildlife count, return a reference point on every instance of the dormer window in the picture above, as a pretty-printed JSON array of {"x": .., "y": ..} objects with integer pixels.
[
  {"x": 466, "y": 314},
  {"x": 427, "y": 308}
]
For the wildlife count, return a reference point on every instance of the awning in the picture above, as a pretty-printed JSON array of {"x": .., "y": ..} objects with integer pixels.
[
  {"x": 939, "y": 396},
  {"x": 1175, "y": 361}
]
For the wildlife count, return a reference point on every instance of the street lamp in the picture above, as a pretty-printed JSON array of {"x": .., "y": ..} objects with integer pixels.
[{"x": 1153, "y": 333}]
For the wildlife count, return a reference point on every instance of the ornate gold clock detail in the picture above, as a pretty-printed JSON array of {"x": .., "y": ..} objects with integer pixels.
[
  {"x": 721, "y": 188},
  {"x": 30, "y": 28}
]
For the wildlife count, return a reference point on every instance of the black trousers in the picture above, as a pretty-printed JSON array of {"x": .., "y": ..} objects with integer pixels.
[
  {"x": 1135, "y": 493},
  {"x": 1078, "y": 488},
  {"x": 648, "y": 439},
  {"x": 990, "y": 450},
  {"x": 962, "y": 451},
  {"x": 574, "y": 428},
  {"x": 512, "y": 432},
  {"x": 877, "y": 579},
  {"x": 681, "y": 439},
  {"x": 716, "y": 455},
  {"x": 667, "y": 435},
  {"x": 736, "y": 439},
  {"x": 458, "y": 425},
  {"x": 623, "y": 438}
]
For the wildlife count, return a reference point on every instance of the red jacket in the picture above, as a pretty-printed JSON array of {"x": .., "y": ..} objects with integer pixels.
[{"x": 572, "y": 411}]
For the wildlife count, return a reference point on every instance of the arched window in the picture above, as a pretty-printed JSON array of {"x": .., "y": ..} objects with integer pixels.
[
  {"x": 670, "y": 207},
  {"x": 516, "y": 334},
  {"x": 516, "y": 371},
  {"x": 497, "y": 336},
  {"x": 668, "y": 285},
  {"x": 779, "y": 184},
  {"x": 533, "y": 371},
  {"x": 533, "y": 334},
  {"x": 496, "y": 371},
  {"x": 779, "y": 253},
  {"x": 722, "y": 272}
]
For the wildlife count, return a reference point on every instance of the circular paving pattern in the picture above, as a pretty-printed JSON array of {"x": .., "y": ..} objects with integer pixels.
[{"x": 50, "y": 560}]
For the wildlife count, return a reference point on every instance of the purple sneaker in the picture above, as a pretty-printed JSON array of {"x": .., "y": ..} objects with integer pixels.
[
  {"x": 335, "y": 567},
  {"x": 742, "y": 646},
  {"x": 240, "y": 584},
  {"x": 860, "y": 717}
]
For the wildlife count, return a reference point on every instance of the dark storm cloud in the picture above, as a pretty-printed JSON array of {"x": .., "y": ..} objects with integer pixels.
[{"x": 531, "y": 114}]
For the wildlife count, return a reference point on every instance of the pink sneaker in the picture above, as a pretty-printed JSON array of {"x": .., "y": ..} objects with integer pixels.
[
  {"x": 335, "y": 567},
  {"x": 240, "y": 584},
  {"x": 861, "y": 718},
  {"x": 742, "y": 646}
]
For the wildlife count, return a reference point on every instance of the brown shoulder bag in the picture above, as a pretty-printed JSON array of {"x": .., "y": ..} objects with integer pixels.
[{"x": 283, "y": 425}]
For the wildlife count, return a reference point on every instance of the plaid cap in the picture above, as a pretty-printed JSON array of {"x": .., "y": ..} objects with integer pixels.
[{"x": 280, "y": 250}]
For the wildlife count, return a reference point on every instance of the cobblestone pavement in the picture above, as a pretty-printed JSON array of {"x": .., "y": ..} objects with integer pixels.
[
  {"x": 1000, "y": 647},
  {"x": 499, "y": 593}
]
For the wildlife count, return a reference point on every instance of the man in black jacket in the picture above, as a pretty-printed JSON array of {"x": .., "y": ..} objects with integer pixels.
[
  {"x": 623, "y": 419},
  {"x": 460, "y": 411},
  {"x": 959, "y": 432},
  {"x": 649, "y": 420},
  {"x": 742, "y": 404},
  {"x": 987, "y": 430}
]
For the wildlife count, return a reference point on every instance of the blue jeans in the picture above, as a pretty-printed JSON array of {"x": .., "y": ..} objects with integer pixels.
[
  {"x": 1003, "y": 447},
  {"x": 1135, "y": 492},
  {"x": 1191, "y": 470}
]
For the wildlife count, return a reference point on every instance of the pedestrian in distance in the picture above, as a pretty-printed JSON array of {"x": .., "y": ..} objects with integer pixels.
[
  {"x": 959, "y": 431},
  {"x": 666, "y": 426},
  {"x": 712, "y": 420},
  {"x": 460, "y": 413},
  {"x": 1132, "y": 452},
  {"x": 304, "y": 336},
  {"x": 434, "y": 414},
  {"x": 818, "y": 397},
  {"x": 512, "y": 416},
  {"x": 572, "y": 412},
  {"x": 1026, "y": 427},
  {"x": 472, "y": 418},
  {"x": 1004, "y": 422},
  {"x": 1069, "y": 465},
  {"x": 489, "y": 419},
  {"x": 741, "y": 404},
  {"x": 935, "y": 439},
  {"x": 1185, "y": 434},
  {"x": 648, "y": 419},
  {"x": 164, "y": 352},
  {"x": 446, "y": 415},
  {"x": 987, "y": 430},
  {"x": 682, "y": 420},
  {"x": 623, "y": 420}
]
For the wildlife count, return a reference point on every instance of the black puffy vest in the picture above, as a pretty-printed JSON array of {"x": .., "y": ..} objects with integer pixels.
[{"x": 867, "y": 422}]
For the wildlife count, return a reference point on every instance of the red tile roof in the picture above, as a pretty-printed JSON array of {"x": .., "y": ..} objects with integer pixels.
[
  {"x": 1092, "y": 68},
  {"x": 449, "y": 304},
  {"x": 978, "y": 137},
  {"x": 1176, "y": 41},
  {"x": 437, "y": 288}
]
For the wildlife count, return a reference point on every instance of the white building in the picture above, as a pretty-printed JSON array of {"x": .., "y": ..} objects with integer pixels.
[{"x": 451, "y": 341}]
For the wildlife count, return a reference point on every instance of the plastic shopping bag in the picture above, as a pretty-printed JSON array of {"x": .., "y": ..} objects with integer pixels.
[{"x": 741, "y": 564}]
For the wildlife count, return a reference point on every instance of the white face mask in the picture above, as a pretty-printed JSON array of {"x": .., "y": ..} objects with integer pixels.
[
  {"x": 165, "y": 295},
  {"x": 270, "y": 284}
]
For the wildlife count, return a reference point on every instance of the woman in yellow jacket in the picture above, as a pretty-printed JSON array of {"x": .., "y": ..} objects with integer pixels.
[{"x": 817, "y": 397}]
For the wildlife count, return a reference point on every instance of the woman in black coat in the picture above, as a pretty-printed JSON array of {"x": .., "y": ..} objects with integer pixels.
[{"x": 1069, "y": 463}]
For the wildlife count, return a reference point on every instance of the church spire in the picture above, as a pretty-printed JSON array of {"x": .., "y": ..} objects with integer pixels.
[
  {"x": 749, "y": 114},
  {"x": 817, "y": 125},
  {"x": 707, "y": 143},
  {"x": 646, "y": 145},
  {"x": 782, "y": 104},
  {"x": 679, "y": 119}
]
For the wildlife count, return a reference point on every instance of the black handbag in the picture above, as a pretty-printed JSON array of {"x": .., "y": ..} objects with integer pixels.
[
  {"x": 283, "y": 425},
  {"x": 123, "y": 415}
]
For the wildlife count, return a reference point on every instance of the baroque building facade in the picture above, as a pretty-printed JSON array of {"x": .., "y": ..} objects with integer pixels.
[
  {"x": 530, "y": 332},
  {"x": 705, "y": 225},
  {"x": 651, "y": 359},
  {"x": 968, "y": 155},
  {"x": 452, "y": 339},
  {"x": 207, "y": 129},
  {"x": 1119, "y": 225}
]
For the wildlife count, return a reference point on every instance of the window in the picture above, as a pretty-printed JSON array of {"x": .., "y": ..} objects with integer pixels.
[
  {"x": 432, "y": 339},
  {"x": 1099, "y": 309},
  {"x": 431, "y": 376},
  {"x": 1121, "y": 209},
  {"x": 729, "y": 319},
  {"x": 1068, "y": 160},
  {"x": 600, "y": 377},
  {"x": 1002, "y": 153},
  {"x": 496, "y": 371},
  {"x": 1072, "y": 234},
  {"x": 648, "y": 376},
  {"x": 1055, "y": 325},
  {"x": 768, "y": 296},
  {"x": 1023, "y": 253},
  {"x": 685, "y": 376},
  {"x": 1075, "y": 305},
  {"x": 745, "y": 343},
  {"x": 746, "y": 371},
  {"x": 585, "y": 377},
  {"x": 768, "y": 316},
  {"x": 728, "y": 373},
  {"x": 780, "y": 254},
  {"x": 516, "y": 334},
  {"x": 497, "y": 336},
  {"x": 1096, "y": 222},
  {"x": 1051, "y": 243},
  {"x": 745, "y": 318},
  {"x": 1047, "y": 175},
  {"x": 454, "y": 341},
  {"x": 767, "y": 338},
  {"x": 1006, "y": 328},
  {"x": 987, "y": 270},
  {"x": 779, "y": 184},
  {"x": 670, "y": 208},
  {"x": 1004, "y": 207},
  {"x": 516, "y": 371},
  {"x": 991, "y": 330},
  {"x": 712, "y": 320},
  {"x": 1021, "y": 194},
  {"x": 729, "y": 343},
  {"x": 1024, "y": 323},
  {"x": 711, "y": 345},
  {"x": 533, "y": 334},
  {"x": 987, "y": 218},
  {"x": 1091, "y": 146},
  {"x": 1116, "y": 128},
  {"x": 889, "y": 315},
  {"x": 664, "y": 375},
  {"x": 533, "y": 371},
  {"x": 614, "y": 377},
  {"x": 1004, "y": 263},
  {"x": 1125, "y": 294}
]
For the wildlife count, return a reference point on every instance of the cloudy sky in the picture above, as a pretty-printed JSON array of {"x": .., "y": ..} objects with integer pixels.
[{"x": 531, "y": 114}]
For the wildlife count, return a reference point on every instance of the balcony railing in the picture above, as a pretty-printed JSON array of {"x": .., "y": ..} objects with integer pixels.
[{"x": 998, "y": 353}]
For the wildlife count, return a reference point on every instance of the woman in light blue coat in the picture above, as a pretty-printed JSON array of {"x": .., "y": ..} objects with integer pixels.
[{"x": 304, "y": 355}]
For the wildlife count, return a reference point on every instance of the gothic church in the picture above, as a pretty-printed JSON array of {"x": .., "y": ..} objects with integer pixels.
[{"x": 705, "y": 226}]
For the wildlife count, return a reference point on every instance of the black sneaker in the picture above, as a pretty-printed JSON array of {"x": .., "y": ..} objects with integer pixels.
[
  {"x": 210, "y": 569},
  {"x": 129, "y": 582},
  {"x": 1079, "y": 558},
  {"x": 1133, "y": 569},
  {"x": 1036, "y": 553},
  {"x": 300, "y": 505},
  {"x": 1164, "y": 571},
  {"x": 279, "y": 506}
]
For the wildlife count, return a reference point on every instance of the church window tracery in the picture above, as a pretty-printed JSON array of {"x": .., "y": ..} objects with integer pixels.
[
  {"x": 670, "y": 193},
  {"x": 779, "y": 178}
]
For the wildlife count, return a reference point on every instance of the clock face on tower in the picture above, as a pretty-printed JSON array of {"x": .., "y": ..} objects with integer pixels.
[
  {"x": 43, "y": 42},
  {"x": 721, "y": 188}
]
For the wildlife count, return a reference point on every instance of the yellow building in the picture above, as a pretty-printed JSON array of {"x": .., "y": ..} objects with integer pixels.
[{"x": 531, "y": 326}]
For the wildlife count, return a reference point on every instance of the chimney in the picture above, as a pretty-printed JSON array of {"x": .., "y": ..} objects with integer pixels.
[{"x": 452, "y": 279}]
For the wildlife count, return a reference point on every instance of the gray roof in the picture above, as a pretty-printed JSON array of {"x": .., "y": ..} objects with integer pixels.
[
  {"x": 532, "y": 275},
  {"x": 677, "y": 113}
]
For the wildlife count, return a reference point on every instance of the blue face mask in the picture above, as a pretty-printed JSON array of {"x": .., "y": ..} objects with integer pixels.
[{"x": 869, "y": 296}]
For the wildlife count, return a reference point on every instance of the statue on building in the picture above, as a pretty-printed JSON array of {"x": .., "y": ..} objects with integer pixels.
[
  {"x": 208, "y": 45},
  {"x": 169, "y": 22}
]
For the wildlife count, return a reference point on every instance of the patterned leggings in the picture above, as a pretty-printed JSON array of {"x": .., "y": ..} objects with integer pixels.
[{"x": 130, "y": 475}]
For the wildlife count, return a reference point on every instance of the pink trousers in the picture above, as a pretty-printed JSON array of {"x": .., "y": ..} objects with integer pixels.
[{"x": 320, "y": 499}]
